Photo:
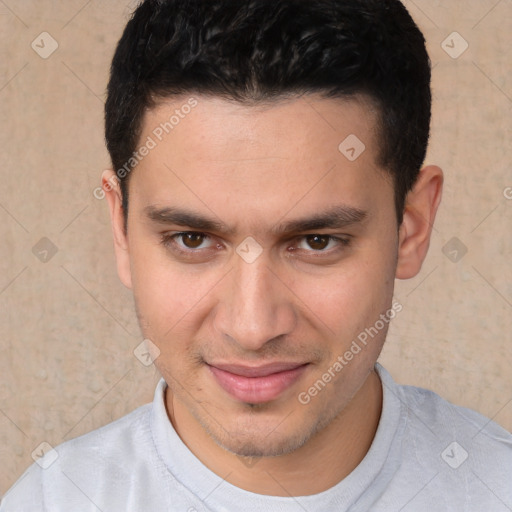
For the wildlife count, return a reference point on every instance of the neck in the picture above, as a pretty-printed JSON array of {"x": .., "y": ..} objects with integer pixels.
[{"x": 334, "y": 452}]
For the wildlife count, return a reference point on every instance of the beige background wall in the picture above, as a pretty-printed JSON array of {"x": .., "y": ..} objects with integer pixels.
[{"x": 67, "y": 326}]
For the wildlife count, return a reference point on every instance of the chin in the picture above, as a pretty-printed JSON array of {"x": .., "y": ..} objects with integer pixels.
[
  {"x": 261, "y": 438},
  {"x": 257, "y": 446}
]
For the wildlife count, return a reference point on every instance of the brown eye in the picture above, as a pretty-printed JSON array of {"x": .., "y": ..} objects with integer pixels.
[
  {"x": 318, "y": 242},
  {"x": 192, "y": 240},
  {"x": 191, "y": 246}
]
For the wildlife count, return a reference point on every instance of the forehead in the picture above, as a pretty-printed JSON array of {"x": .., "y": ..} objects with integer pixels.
[
  {"x": 263, "y": 157},
  {"x": 306, "y": 119}
]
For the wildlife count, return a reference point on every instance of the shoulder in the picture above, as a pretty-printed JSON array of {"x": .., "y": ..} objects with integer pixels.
[
  {"x": 67, "y": 470},
  {"x": 120, "y": 436},
  {"x": 425, "y": 410},
  {"x": 463, "y": 453},
  {"x": 446, "y": 418}
]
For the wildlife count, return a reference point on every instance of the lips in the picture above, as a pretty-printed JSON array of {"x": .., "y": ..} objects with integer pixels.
[{"x": 256, "y": 384}]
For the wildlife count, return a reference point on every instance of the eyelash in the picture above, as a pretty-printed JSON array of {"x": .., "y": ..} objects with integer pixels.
[{"x": 169, "y": 241}]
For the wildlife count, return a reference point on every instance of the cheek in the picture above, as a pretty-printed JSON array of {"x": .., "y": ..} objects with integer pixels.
[
  {"x": 350, "y": 298},
  {"x": 160, "y": 293},
  {"x": 170, "y": 299}
]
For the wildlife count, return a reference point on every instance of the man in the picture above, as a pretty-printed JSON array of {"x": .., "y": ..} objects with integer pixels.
[{"x": 268, "y": 189}]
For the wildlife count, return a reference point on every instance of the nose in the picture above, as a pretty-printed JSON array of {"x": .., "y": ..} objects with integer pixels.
[{"x": 255, "y": 306}]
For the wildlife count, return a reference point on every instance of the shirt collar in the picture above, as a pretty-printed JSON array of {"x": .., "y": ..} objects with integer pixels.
[{"x": 374, "y": 472}]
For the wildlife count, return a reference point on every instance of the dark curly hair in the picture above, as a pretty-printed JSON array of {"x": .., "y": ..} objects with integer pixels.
[{"x": 265, "y": 50}]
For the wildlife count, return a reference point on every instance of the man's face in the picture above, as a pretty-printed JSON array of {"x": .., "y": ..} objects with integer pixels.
[{"x": 289, "y": 253}]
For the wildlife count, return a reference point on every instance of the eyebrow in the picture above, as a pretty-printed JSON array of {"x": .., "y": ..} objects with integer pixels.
[{"x": 333, "y": 218}]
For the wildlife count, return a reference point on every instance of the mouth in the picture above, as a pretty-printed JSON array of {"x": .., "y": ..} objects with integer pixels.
[{"x": 256, "y": 384}]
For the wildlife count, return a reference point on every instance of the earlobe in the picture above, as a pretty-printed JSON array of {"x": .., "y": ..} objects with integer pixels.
[
  {"x": 420, "y": 211},
  {"x": 110, "y": 185}
]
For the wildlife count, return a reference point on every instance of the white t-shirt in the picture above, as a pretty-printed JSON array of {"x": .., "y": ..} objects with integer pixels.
[{"x": 427, "y": 455}]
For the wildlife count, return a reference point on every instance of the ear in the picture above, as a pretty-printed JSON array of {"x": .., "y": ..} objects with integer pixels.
[
  {"x": 419, "y": 214},
  {"x": 112, "y": 189}
]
